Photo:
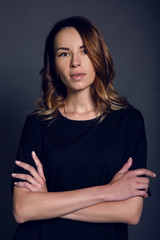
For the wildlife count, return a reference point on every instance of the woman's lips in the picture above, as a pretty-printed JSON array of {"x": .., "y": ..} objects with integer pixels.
[{"x": 77, "y": 76}]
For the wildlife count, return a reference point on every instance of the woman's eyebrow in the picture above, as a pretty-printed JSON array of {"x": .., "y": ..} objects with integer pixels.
[
  {"x": 82, "y": 47},
  {"x": 67, "y": 49},
  {"x": 62, "y": 48}
]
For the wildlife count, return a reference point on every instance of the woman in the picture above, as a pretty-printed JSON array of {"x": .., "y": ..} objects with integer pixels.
[{"x": 84, "y": 139}]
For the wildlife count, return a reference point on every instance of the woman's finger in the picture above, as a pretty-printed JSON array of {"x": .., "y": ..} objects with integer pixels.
[
  {"x": 142, "y": 193},
  {"x": 126, "y": 166},
  {"x": 143, "y": 171},
  {"x": 31, "y": 187},
  {"x": 26, "y": 185},
  {"x": 38, "y": 165},
  {"x": 142, "y": 180},
  {"x": 31, "y": 170},
  {"x": 25, "y": 177},
  {"x": 142, "y": 186}
]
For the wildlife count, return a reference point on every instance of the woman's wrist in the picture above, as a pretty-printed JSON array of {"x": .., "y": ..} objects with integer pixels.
[{"x": 106, "y": 194}]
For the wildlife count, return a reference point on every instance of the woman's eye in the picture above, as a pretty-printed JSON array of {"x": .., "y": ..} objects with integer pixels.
[
  {"x": 63, "y": 54},
  {"x": 84, "y": 51}
]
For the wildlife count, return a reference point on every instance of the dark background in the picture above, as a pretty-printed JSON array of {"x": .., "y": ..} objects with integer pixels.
[{"x": 131, "y": 31}]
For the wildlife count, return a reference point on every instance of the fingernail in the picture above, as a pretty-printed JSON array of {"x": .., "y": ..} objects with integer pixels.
[
  {"x": 13, "y": 174},
  {"x": 15, "y": 183},
  {"x": 33, "y": 152},
  {"x": 154, "y": 175},
  {"x": 17, "y": 162},
  {"x": 129, "y": 159}
]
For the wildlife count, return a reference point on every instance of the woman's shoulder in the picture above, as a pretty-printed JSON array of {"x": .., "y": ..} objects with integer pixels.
[
  {"x": 130, "y": 113},
  {"x": 34, "y": 120},
  {"x": 37, "y": 118}
]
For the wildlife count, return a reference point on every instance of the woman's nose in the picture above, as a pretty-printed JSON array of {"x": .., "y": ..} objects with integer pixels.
[{"x": 75, "y": 60}]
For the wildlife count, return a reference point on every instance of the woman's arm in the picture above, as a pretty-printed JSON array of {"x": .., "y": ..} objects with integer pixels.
[
  {"x": 31, "y": 201},
  {"x": 30, "y": 205},
  {"x": 44, "y": 205},
  {"x": 127, "y": 211}
]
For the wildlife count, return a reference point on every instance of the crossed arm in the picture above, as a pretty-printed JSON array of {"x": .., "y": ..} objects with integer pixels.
[{"x": 119, "y": 201}]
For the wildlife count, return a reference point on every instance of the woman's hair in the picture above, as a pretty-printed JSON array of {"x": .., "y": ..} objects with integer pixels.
[{"x": 54, "y": 90}]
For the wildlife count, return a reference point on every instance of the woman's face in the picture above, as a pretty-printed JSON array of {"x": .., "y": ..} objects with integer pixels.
[{"x": 72, "y": 63}]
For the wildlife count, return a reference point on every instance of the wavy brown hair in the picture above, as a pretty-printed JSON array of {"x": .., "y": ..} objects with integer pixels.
[{"x": 53, "y": 89}]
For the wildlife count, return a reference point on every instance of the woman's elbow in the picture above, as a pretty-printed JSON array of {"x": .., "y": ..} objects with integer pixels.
[
  {"x": 20, "y": 207},
  {"x": 135, "y": 213},
  {"x": 134, "y": 219},
  {"x": 19, "y": 213}
]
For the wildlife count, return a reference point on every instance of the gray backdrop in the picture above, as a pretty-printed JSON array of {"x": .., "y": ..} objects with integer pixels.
[{"x": 131, "y": 30}]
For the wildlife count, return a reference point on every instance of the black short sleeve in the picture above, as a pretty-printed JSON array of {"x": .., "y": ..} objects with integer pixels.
[
  {"x": 31, "y": 140},
  {"x": 137, "y": 143},
  {"x": 81, "y": 154}
]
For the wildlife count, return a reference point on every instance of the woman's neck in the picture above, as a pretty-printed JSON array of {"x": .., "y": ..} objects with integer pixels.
[
  {"x": 80, "y": 102},
  {"x": 80, "y": 105}
]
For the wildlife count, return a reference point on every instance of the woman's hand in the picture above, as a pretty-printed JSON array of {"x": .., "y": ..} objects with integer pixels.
[
  {"x": 126, "y": 184},
  {"x": 36, "y": 182}
]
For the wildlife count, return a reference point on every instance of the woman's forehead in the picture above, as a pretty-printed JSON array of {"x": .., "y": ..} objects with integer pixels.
[{"x": 67, "y": 36}]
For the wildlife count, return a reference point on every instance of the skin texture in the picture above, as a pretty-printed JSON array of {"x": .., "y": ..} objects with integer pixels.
[
  {"x": 120, "y": 200},
  {"x": 71, "y": 58},
  {"x": 98, "y": 204},
  {"x": 79, "y": 103}
]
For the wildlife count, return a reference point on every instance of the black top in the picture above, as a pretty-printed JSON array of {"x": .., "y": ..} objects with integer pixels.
[{"x": 79, "y": 154}]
